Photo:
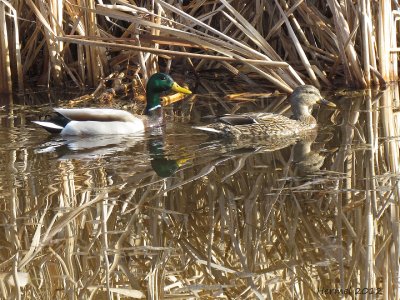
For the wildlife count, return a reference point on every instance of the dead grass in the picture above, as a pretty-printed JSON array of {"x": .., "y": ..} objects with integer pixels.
[{"x": 285, "y": 43}]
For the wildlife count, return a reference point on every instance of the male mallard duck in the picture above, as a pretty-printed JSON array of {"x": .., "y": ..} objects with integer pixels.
[
  {"x": 96, "y": 121},
  {"x": 272, "y": 125}
]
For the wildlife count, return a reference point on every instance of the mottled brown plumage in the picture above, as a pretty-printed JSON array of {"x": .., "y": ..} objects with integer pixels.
[{"x": 272, "y": 125}]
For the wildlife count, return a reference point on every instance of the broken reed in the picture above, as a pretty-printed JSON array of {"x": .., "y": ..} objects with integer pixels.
[{"x": 323, "y": 42}]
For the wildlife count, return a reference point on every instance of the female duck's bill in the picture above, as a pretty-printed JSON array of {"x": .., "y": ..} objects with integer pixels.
[{"x": 98, "y": 121}]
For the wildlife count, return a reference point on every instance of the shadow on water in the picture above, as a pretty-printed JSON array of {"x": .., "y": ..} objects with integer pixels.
[{"x": 180, "y": 215}]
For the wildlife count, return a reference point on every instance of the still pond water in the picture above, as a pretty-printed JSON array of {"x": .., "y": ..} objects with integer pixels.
[{"x": 182, "y": 216}]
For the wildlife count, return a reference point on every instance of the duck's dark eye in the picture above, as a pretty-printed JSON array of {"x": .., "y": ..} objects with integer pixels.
[{"x": 163, "y": 78}]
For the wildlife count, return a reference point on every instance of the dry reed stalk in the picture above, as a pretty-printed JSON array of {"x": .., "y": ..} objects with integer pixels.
[
  {"x": 299, "y": 49},
  {"x": 152, "y": 62},
  {"x": 92, "y": 53},
  {"x": 32, "y": 50},
  {"x": 239, "y": 46},
  {"x": 56, "y": 13},
  {"x": 281, "y": 21},
  {"x": 371, "y": 42},
  {"x": 5, "y": 77},
  {"x": 261, "y": 42},
  {"x": 13, "y": 224},
  {"x": 44, "y": 13},
  {"x": 225, "y": 29},
  {"x": 365, "y": 40},
  {"x": 395, "y": 17},
  {"x": 346, "y": 44},
  {"x": 384, "y": 16},
  {"x": 86, "y": 41},
  {"x": 369, "y": 279},
  {"x": 390, "y": 131},
  {"x": 16, "y": 62},
  {"x": 392, "y": 164}
]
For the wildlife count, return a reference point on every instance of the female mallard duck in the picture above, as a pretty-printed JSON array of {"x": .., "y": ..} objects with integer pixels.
[
  {"x": 96, "y": 121},
  {"x": 272, "y": 125}
]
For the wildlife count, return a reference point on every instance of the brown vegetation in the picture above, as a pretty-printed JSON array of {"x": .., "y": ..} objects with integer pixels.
[{"x": 287, "y": 43}]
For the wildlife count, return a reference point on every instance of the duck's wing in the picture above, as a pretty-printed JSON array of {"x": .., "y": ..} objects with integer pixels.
[
  {"x": 254, "y": 118},
  {"x": 254, "y": 124},
  {"x": 96, "y": 114},
  {"x": 251, "y": 118},
  {"x": 275, "y": 124},
  {"x": 221, "y": 123},
  {"x": 237, "y": 120}
]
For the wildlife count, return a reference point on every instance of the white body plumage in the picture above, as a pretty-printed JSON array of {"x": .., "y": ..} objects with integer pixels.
[{"x": 95, "y": 121}]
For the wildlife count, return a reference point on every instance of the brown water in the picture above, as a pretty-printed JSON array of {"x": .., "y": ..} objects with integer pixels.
[{"x": 182, "y": 216}]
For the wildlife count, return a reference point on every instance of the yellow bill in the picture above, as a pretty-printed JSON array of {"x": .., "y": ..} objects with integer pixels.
[
  {"x": 182, "y": 161},
  {"x": 177, "y": 88},
  {"x": 326, "y": 102}
]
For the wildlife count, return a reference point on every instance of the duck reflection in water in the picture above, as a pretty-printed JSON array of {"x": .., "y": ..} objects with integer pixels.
[
  {"x": 160, "y": 162},
  {"x": 90, "y": 147},
  {"x": 306, "y": 160},
  {"x": 95, "y": 147}
]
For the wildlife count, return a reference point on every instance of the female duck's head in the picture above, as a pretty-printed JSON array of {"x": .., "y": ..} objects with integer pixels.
[
  {"x": 304, "y": 98},
  {"x": 157, "y": 84}
]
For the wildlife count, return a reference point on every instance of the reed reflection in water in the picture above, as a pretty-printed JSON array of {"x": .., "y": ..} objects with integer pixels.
[{"x": 178, "y": 215}]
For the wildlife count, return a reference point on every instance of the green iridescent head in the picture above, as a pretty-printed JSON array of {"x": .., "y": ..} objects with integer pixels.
[{"x": 157, "y": 84}]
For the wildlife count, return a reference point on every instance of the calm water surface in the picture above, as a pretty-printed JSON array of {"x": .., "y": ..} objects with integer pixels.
[{"x": 179, "y": 215}]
